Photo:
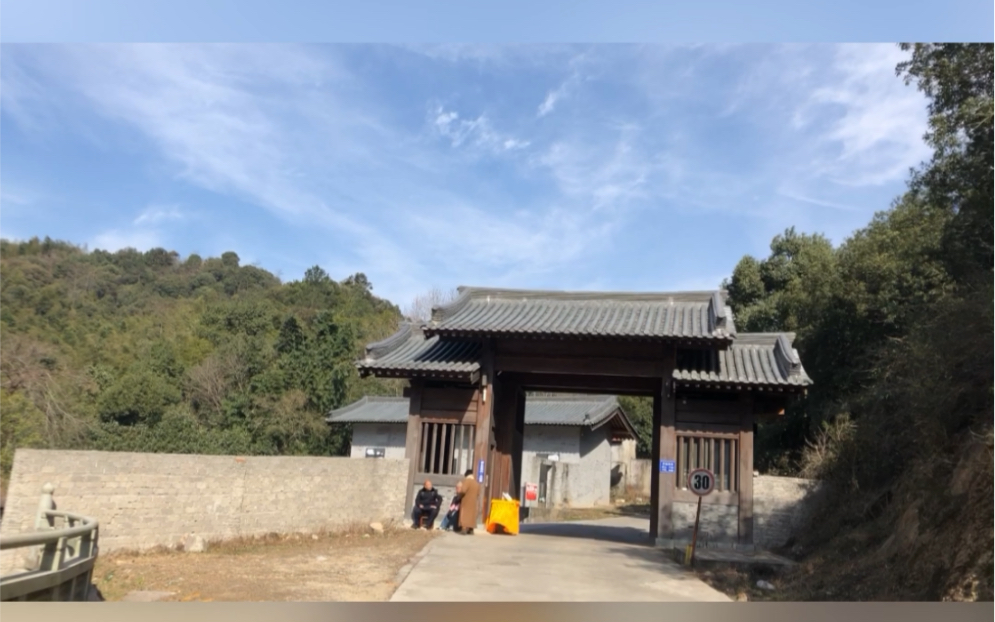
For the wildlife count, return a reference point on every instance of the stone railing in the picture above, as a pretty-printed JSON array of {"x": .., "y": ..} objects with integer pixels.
[{"x": 59, "y": 562}]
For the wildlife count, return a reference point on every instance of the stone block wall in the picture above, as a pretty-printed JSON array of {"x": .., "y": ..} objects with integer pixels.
[
  {"x": 145, "y": 500},
  {"x": 781, "y": 506}
]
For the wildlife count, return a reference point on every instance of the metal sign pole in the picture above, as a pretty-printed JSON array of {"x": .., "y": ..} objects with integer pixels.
[
  {"x": 701, "y": 482},
  {"x": 694, "y": 536}
]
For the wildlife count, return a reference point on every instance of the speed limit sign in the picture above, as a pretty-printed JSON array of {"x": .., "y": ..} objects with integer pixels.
[{"x": 701, "y": 482}]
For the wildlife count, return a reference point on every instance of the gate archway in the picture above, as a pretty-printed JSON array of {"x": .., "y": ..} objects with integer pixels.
[{"x": 470, "y": 366}]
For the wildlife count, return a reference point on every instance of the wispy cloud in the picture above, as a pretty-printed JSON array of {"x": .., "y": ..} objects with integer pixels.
[
  {"x": 819, "y": 202},
  {"x": 12, "y": 194},
  {"x": 156, "y": 214},
  {"x": 571, "y": 83},
  {"x": 478, "y": 132},
  {"x": 878, "y": 136},
  {"x": 538, "y": 167},
  {"x": 116, "y": 239}
]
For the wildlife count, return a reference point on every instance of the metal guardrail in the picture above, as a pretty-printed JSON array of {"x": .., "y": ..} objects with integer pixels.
[{"x": 66, "y": 553}]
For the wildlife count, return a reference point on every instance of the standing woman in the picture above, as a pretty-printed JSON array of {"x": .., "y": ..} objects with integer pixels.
[{"x": 468, "y": 504}]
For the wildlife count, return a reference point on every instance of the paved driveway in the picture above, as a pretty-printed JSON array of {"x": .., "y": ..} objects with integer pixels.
[{"x": 591, "y": 561}]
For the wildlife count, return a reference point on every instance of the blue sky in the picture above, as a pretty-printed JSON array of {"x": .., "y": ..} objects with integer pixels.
[{"x": 620, "y": 167}]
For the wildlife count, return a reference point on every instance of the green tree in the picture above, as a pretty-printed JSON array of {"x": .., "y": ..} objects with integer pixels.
[
  {"x": 22, "y": 425},
  {"x": 957, "y": 80}
]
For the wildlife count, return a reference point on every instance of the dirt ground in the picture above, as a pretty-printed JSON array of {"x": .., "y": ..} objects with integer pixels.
[
  {"x": 740, "y": 584},
  {"x": 351, "y": 566}
]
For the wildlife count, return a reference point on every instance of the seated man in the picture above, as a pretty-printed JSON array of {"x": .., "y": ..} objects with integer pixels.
[
  {"x": 427, "y": 504},
  {"x": 451, "y": 519}
]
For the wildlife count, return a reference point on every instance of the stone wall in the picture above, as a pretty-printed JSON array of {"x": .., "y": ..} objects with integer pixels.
[
  {"x": 636, "y": 479},
  {"x": 145, "y": 500},
  {"x": 781, "y": 505},
  {"x": 719, "y": 523}
]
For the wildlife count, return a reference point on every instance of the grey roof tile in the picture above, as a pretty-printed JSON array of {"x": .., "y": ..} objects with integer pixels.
[
  {"x": 758, "y": 359},
  {"x": 372, "y": 409},
  {"x": 766, "y": 359},
  {"x": 408, "y": 352},
  {"x": 589, "y": 411},
  {"x": 534, "y": 313}
]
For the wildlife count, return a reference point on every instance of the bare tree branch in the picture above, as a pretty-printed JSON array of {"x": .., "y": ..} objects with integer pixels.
[{"x": 420, "y": 309}]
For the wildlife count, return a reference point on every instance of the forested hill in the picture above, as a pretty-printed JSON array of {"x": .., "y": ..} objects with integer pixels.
[
  {"x": 895, "y": 327},
  {"x": 150, "y": 352}
]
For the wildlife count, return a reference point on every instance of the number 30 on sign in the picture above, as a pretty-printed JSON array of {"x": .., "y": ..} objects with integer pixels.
[{"x": 701, "y": 482}]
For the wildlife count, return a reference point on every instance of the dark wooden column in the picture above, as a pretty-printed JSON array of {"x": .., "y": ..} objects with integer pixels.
[
  {"x": 664, "y": 449},
  {"x": 412, "y": 442},
  {"x": 519, "y": 444},
  {"x": 484, "y": 429},
  {"x": 505, "y": 414},
  {"x": 746, "y": 472}
]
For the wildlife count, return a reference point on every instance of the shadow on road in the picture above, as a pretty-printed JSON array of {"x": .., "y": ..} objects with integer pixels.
[
  {"x": 639, "y": 547},
  {"x": 607, "y": 533}
]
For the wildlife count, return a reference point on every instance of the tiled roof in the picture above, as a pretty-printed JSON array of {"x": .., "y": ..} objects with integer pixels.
[
  {"x": 753, "y": 359},
  {"x": 686, "y": 316},
  {"x": 372, "y": 410},
  {"x": 763, "y": 359},
  {"x": 409, "y": 353},
  {"x": 589, "y": 411}
]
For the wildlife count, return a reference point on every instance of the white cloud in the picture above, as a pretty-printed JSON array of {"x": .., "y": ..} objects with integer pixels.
[
  {"x": 156, "y": 214},
  {"x": 477, "y": 132},
  {"x": 211, "y": 111},
  {"x": 13, "y": 194},
  {"x": 605, "y": 176},
  {"x": 878, "y": 137},
  {"x": 115, "y": 239},
  {"x": 570, "y": 84},
  {"x": 290, "y": 129},
  {"x": 549, "y": 103}
]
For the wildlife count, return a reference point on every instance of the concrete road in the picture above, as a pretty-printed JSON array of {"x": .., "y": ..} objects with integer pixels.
[{"x": 592, "y": 561}]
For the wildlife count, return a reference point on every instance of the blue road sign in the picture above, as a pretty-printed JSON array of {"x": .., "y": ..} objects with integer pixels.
[
  {"x": 480, "y": 471},
  {"x": 668, "y": 466}
]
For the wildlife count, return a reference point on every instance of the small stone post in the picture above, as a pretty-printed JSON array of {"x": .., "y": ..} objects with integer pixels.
[
  {"x": 33, "y": 557},
  {"x": 47, "y": 503}
]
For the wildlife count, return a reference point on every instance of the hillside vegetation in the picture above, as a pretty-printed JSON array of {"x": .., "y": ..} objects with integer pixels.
[
  {"x": 895, "y": 327},
  {"x": 139, "y": 351}
]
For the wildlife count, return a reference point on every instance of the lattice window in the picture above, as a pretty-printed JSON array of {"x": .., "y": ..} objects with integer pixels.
[
  {"x": 446, "y": 448},
  {"x": 719, "y": 453}
]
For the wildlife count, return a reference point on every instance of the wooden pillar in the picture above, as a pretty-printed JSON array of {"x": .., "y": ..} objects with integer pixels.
[
  {"x": 655, "y": 464},
  {"x": 746, "y": 472},
  {"x": 412, "y": 442},
  {"x": 519, "y": 444},
  {"x": 504, "y": 409},
  {"x": 665, "y": 450},
  {"x": 484, "y": 430}
]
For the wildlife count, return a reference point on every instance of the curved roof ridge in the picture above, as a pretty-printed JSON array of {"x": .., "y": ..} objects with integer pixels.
[{"x": 379, "y": 348}]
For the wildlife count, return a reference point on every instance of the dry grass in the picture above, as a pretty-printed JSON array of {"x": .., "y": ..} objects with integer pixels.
[
  {"x": 353, "y": 564},
  {"x": 739, "y": 584}
]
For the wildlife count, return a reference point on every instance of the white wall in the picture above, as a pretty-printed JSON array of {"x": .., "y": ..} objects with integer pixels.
[
  {"x": 390, "y": 436},
  {"x": 624, "y": 452},
  {"x": 582, "y": 476},
  {"x": 577, "y": 480}
]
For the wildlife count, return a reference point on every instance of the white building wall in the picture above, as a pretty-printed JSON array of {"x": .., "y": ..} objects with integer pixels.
[
  {"x": 624, "y": 452},
  {"x": 390, "y": 436},
  {"x": 581, "y": 478}
]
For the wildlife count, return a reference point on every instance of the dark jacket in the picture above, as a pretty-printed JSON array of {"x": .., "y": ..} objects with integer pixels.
[{"x": 428, "y": 498}]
